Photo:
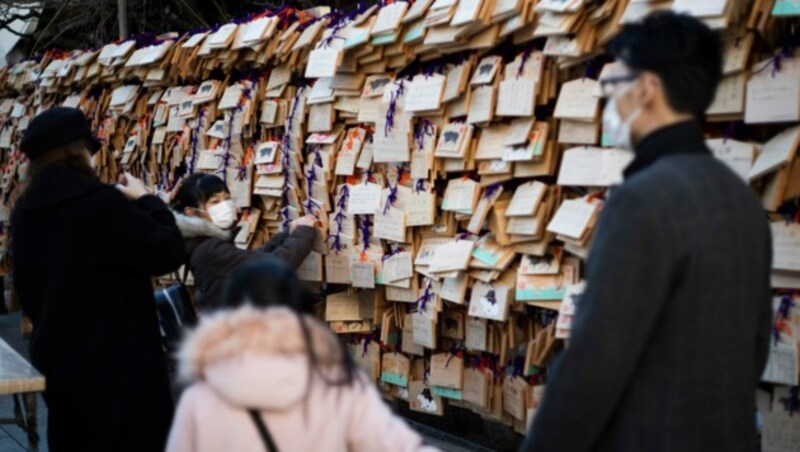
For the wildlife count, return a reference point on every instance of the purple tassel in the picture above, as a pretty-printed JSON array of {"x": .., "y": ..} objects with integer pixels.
[
  {"x": 434, "y": 67},
  {"x": 367, "y": 340},
  {"x": 425, "y": 129},
  {"x": 776, "y": 334},
  {"x": 392, "y": 251},
  {"x": 519, "y": 365},
  {"x": 285, "y": 159},
  {"x": 784, "y": 309},
  {"x": 336, "y": 245},
  {"x": 338, "y": 21},
  {"x": 343, "y": 197},
  {"x": 387, "y": 129},
  {"x": 309, "y": 206},
  {"x": 729, "y": 132},
  {"x": 426, "y": 296},
  {"x": 525, "y": 55},
  {"x": 195, "y": 138},
  {"x": 285, "y": 213},
  {"x": 337, "y": 238},
  {"x": 315, "y": 149},
  {"x": 365, "y": 233},
  {"x": 241, "y": 175},
  {"x": 791, "y": 403},
  {"x": 475, "y": 361},
  {"x": 491, "y": 190},
  {"x": 310, "y": 177},
  {"x": 227, "y": 157},
  {"x": 392, "y": 198},
  {"x": 419, "y": 186},
  {"x": 369, "y": 175},
  {"x": 455, "y": 347},
  {"x": 776, "y": 61}
]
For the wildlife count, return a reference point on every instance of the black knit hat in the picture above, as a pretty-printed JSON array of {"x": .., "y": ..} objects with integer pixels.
[{"x": 54, "y": 128}]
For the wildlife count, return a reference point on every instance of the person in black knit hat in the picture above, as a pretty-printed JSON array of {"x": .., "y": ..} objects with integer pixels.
[{"x": 84, "y": 253}]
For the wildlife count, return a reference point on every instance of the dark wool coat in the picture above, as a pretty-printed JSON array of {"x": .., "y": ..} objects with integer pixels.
[
  {"x": 83, "y": 259},
  {"x": 213, "y": 256},
  {"x": 672, "y": 334}
]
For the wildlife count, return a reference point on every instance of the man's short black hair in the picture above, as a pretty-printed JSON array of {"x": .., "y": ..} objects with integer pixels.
[{"x": 685, "y": 53}]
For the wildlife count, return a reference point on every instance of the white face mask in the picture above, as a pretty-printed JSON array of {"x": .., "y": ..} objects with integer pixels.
[
  {"x": 616, "y": 132},
  {"x": 223, "y": 215}
]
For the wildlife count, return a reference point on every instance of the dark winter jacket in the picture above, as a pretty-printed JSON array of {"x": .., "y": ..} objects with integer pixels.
[
  {"x": 83, "y": 259},
  {"x": 212, "y": 255},
  {"x": 672, "y": 334}
]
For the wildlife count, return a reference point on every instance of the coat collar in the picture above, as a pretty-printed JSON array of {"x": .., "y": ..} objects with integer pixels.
[
  {"x": 196, "y": 230},
  {"x": 54, "y": 185},
  {"x": 681, "y": 138},
  {"x": 196, "y": 227},
  {"x": 258, "y": 358}
]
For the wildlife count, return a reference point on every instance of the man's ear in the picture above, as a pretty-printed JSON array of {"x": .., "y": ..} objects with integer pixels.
[{"x": 650, "y": 88}]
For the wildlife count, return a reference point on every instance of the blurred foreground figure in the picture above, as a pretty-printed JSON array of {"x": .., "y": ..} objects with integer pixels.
[
  {"x": 671, "y": 336},
  {"x": 268, "y": 377}
]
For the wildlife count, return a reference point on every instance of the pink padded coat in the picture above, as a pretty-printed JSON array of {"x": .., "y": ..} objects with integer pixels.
[{"x": 255, "y": 358}]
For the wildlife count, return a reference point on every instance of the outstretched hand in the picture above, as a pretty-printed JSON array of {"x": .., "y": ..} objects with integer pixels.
[
  {"x": 308, "y": 220},
  {"x": 132, "y": 187}
]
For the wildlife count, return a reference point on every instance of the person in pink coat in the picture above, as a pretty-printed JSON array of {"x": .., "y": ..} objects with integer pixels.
[{"x": 266, "y": 377}]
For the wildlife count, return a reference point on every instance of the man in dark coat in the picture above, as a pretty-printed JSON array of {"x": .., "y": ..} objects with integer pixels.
[
  {"x": 672, "y": 333},
  {"x": 83, "y": 254}
]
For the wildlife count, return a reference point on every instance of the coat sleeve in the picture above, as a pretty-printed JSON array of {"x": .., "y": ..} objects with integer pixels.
[
  {"x": 372, "y": 426},
  {"x": 292, "y": 248},
  {"x": 183, "y": 434},
  {"x": 139, "y": 235},
  {"x": 226, "y": 257},
  {"x": 629, "y": 275},
  {"x": 765, "y": 317},
  {"x": 274, "y": 242}
]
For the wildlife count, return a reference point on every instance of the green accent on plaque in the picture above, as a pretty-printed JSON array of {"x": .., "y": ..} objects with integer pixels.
[
  {"x": 447, "y": 393},
  {"x": 356, "y": 40},
  {"x": 392, "y": 339},
  {"x": 414, "y": 32},
  {"x": 533, "y": 370},
  {"x": 485, "y": 256},
  {"x": 537, "y": 150},
  {"x": 394, "y": 379},
  {"x": 786, "y": 8},
  {"x": 605, "y": 140},
  {"x": 379, "y": 278},
  {"x": 384, "y": 39},
  {"x": 549, "y": 294}
]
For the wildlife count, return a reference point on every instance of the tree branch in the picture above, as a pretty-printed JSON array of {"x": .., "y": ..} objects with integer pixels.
[{"x": 8, "y": 18}]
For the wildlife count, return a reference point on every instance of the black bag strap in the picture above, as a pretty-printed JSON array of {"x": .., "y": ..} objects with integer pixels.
[
  {"x": 177, "y": 276},
  {"x": 263, "y": 431}
]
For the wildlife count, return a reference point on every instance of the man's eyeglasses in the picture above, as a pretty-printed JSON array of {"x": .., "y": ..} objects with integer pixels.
[{"x": 609, "y": 85}]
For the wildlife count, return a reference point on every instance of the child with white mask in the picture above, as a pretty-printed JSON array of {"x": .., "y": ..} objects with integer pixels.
[{"x": 207, "y": 218}]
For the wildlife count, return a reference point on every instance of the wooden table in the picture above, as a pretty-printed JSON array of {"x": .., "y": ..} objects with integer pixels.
[{"x": 22, "y": 381}]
